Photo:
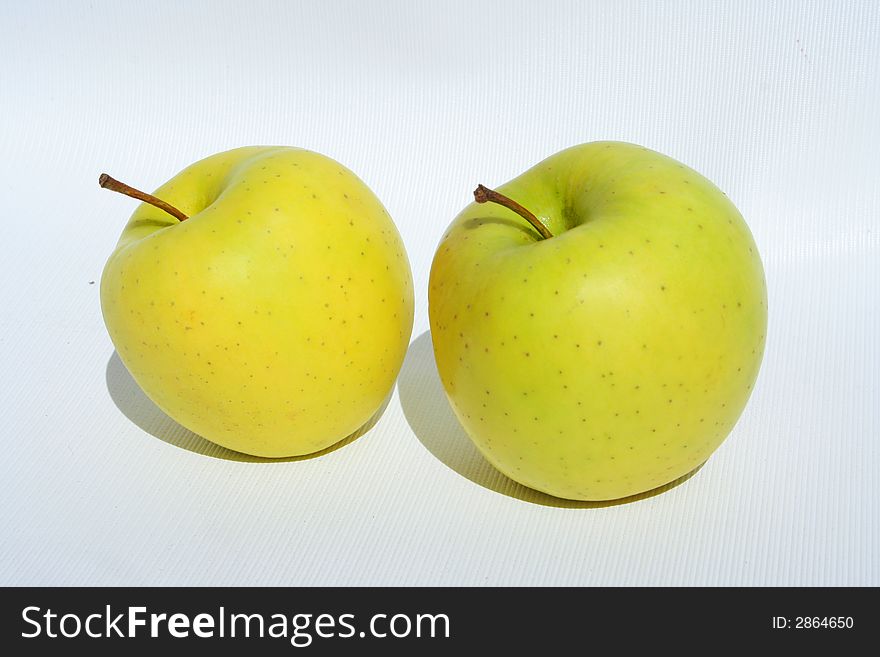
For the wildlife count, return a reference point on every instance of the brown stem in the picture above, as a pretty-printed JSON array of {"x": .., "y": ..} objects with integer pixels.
[
  {"x": 114, "y": 185},
  {"x": 484, "y": 195}
]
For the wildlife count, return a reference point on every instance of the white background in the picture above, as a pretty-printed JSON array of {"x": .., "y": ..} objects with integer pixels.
[{"x": 775, "y": 102}]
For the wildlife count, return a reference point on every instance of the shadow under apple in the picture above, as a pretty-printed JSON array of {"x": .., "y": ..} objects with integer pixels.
[
  {"x": 140, "y": 409},
  {"x": 432, "y": 420}
]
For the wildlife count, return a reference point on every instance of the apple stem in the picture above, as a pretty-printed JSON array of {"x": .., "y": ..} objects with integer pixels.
[
  {"x": 114, "y": 185},
  {"x": 486, "y": 195}
]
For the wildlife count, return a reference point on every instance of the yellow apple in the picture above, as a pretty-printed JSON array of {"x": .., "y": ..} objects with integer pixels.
[
  {"x": 274, "y": 319},
  {"x": 615, "y": 355}
]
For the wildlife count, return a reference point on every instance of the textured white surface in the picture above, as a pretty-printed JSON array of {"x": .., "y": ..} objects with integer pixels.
[{"x": 775, "y": 102}]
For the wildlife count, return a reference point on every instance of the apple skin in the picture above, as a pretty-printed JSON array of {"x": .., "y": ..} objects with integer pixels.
[
  {"x": 616, "y": 356},
  {"x": 275, "y": 319}
]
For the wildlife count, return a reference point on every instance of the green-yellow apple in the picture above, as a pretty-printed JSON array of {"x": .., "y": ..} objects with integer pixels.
[
  {"x": 274, "y": 318},
  {"x": 616, "y": 354}
]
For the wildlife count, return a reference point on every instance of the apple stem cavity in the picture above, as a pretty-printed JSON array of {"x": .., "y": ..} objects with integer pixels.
[
  {"x": 106, "y": 182},
  {"x": 485, "y": 195}
]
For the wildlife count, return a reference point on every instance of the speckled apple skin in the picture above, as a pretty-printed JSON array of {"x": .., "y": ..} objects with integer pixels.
[
  {"x": 616, "y": 356},
  {"x": 274, "y": 320}
]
